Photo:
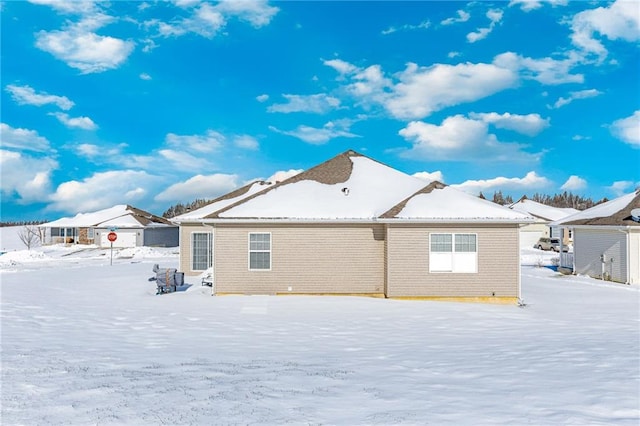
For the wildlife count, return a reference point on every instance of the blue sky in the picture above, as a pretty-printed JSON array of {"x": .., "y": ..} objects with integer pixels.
[{"x": 155, "y": 103}]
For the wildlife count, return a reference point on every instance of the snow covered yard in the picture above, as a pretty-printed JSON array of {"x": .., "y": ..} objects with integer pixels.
[{"x": 84, "y": 342}]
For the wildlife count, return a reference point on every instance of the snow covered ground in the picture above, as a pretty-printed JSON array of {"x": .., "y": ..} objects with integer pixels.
[{"x": 84, "y": 342}]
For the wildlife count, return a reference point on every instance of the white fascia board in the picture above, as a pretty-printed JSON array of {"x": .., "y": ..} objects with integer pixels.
[
  {"x": 601, "y": 227},
  {"x": 367, "y": 221}
]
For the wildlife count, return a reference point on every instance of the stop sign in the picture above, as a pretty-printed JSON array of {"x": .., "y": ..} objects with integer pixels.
[{"x": 112, "y": 236}]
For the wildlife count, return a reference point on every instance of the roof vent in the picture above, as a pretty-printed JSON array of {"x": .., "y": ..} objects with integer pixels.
[
  {"x": 635, "y": 215},
  {"x": 345, "y": 190}
]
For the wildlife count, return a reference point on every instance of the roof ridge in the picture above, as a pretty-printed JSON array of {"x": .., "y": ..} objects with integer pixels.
[
  {"x": 393, "y": 211},
  {"x": 330, "y": 172}
]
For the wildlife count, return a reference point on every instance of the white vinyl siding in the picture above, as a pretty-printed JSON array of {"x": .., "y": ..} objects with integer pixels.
[
  {"x": 201, "y": 246},
  {"x": 457, "y": 253},
  {"x": 259, "y": 251},
  {"x": 590, "y": 244}
]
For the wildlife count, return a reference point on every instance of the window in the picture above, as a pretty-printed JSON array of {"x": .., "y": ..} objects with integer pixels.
[
  {"x": 453, "y": 253},
  {"x": 201, "y": 249},
  {"x": 259, "y": 252}
]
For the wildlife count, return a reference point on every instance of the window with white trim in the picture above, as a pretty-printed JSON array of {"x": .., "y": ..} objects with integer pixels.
[
  {"x": 259, "y": 251},
  {"x": 201, "y": 250},
  {"x": 456, "y": 253}
]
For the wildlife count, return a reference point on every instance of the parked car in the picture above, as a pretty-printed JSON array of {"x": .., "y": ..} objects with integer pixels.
[{"x": 545, "y": 243}]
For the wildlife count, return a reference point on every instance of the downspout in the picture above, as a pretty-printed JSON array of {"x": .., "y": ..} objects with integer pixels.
[
  {"x": 520, "y": 301},
  {"x": 627, "y": 254},
  {"x": 213, "y": 259}
]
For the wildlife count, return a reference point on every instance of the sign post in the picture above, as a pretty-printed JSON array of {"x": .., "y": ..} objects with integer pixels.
[{"x": 112, "y": 236}]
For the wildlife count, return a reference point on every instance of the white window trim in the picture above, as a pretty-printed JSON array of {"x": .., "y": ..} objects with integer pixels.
[
  {"x": 249, "y": 251},
  {"x": 210, "y": 249},
  {"x": 453, "y": 252}
]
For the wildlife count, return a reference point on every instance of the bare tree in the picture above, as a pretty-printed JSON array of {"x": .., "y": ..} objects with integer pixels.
[{"x": 31, "y": 236}]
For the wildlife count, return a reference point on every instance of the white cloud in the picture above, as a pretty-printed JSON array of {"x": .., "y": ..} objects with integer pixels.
[
  {"x": 430, "y": 176},
  {"x": 462, "y": 17},
  {"x": 79, "y": 47},
  {"x": 145, "y": 76},
  {"x": 407, "y": 27},
  {"x": 495, "y": 16},
  {"x": 262, "y": 98},
  {"x": 199, "y": 186},
  {"x": 530, "y": 124},
  {"x": 208, "y": 142},
  {"x": 342, "y": 67},
  {"x": 186, "y": 3},
  {"x": 281, "y": 175},
  {"x": 417, "y": 92},
  {"x": 422, "y": 91},
  {"x": 257, "y": 12},
  {"x": 181, "y": 160},
  {"x": 546, "y": 70},
  {"x": 88, "y": 150},
  {"x": 22, "y": 139},
  {"x": 619, "y": 21},
  {"x": 246, "y": 142},
  {"x": 531, "y": 181},
  {"x": 25, "y": 95},
  {"x": 101, "y": 190},
  {"x": 628, "y": 129},
  {"x": 319, "y": 104},
  {"x": 69, "y": 6},
  {"x": 101, "y": 152},
  {"x": 529, "y": 5},
  {"x": 25, "y": 177},
  {"x": 581, "y": 94},
  {"x": 80, "y": 122},
  {"x": 622, "y": 187},
  {"x": 460, "y": 139},
  {"x": 316, "y": 136},
  {"x": 574, "y": 183},
  {"x": 210, "y": 20}
]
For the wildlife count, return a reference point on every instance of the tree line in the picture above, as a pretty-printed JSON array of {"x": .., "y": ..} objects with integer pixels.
[
  {"x": 178, "y": 209},
  {"x": 563, "y": 200},
  {"x": 22, "y": 223}
]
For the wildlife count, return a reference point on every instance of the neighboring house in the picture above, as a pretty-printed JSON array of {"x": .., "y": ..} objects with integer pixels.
[
  {"x": 606, "y": 240},
  {"x": 133, "y": 227},
  {"x": 543, "y": 216},
  {"x": 354, "y": 226}
]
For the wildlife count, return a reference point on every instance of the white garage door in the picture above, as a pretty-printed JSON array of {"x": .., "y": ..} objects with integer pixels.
[{"x": 125, "y": 239}]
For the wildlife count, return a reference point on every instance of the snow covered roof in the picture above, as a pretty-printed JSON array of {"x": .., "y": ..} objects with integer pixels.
[
  {"x": 353, "y": 187},
  {"x": 542, "y": 211},
  {"x": 349, "y": 186},
  {"x": 438, "y": 202},
  {"x": 223, "y": 201},
  {"x": 616, "y": 212},
  {"x": 119, "y": 216}
]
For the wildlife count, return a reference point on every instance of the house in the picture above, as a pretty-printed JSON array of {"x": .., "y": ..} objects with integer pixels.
[
  {"x": 543, "y": 215},
  {"x": 354, "y": 226},
  {"x": 133, "y": 227},
  {"x": 606, "y": 240}
]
